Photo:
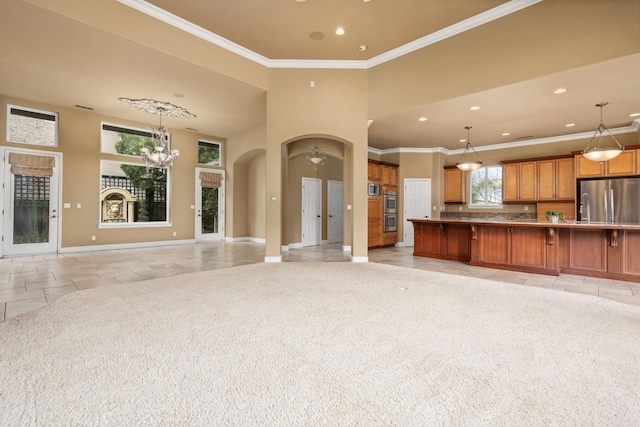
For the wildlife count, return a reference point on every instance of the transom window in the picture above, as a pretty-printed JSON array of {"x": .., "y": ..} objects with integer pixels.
[
  {"x": 486, "y": 187},
  {"x": 209, "y": 153},
  {"x": 29, "y": 126},
  {"x": 125, "y": 141}
]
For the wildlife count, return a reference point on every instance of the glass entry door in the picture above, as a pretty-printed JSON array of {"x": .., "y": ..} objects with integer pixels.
[
  {"x": 209, "y": 205},
  {"x": 30, "y": 203}
]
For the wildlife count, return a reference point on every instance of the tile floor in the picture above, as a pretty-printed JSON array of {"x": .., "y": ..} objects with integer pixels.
[{"x": 28, "y": 283}]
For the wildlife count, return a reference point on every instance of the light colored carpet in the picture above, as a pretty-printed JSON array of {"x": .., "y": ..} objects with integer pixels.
[{"x": 322, "y": 344}]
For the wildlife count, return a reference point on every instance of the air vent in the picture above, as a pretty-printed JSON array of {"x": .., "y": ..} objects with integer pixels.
[
  {"x": 525, "y": 137},
  {"x": 83, "y": 107}
]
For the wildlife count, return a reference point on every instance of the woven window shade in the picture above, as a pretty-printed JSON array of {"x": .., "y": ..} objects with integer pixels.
[
  {"x": 29, "y": 165},
  {"x": 210, "y": 180}
]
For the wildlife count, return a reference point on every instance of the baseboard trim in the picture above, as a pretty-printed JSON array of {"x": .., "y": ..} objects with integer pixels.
[
  {"x": 359, "y": 259},
  {"x": 245, "y": 239},
  {"x": 273, "y": 258},
  {"x": 116, "y": 246},
  {"x": 346, "y": 248}
]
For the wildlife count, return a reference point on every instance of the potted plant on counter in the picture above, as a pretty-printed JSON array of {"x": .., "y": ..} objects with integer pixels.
[{"x": 555, "y": 216}]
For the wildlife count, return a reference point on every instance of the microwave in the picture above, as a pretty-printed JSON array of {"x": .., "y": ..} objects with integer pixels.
[{"x": 373, "y": 189}]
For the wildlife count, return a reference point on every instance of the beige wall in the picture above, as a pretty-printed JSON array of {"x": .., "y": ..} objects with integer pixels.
[
  {"x": 241, "y": 151},
  {"x": 256, "y": 197},
  {"x": 334, "y": 108}
]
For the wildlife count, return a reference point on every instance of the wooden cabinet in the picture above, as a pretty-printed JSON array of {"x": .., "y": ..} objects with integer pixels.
[
  {"x": 389, "y": 175},
  {"x": 609, "y": 253},
  {"x": 374, "y": 171},
  {"x": 543, "y": 180},
  {"x": 624, "y": 164},
  {"x": 556, "y": 180},
  {"x": 454, "y": 183},
  {"x": 515, "y": 248},
  {"x": 443, "y": 241},
  {"x": 519, "y": 181},
  {"x": 374, "y": 220}
]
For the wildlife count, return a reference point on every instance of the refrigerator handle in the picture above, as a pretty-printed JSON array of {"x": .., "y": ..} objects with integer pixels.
[
  {"x": 606, "y": 208},
  {"x": 613, "y": 212}
]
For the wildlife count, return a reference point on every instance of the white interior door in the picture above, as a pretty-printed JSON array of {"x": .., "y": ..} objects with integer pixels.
[
  {"x": 311, "y": 211},
  {"x": 209, "y": 206},
  {"x": 334, "y": 211},
  {"x": 31, "y": 208},
  {"x": 417, "y": 204}
]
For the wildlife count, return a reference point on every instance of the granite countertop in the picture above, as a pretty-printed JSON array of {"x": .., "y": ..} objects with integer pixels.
[{"x": 532, "y": 222}]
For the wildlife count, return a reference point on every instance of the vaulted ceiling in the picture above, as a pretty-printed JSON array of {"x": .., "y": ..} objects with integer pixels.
[{"x": 425, "y": 58}]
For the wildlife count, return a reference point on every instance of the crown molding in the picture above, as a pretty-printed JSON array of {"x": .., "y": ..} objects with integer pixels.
[
  {"x": 450, "y": 31},
  {"x": 184, "y": 25},
  {"x": 633, "y": 127},
  {"x": 318, "y": 63}
]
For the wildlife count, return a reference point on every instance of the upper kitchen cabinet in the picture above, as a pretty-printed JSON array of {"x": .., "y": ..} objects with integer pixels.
[
  {"x": 374, "y": 171},
  {"x": 535, "y": 180},
  {"x": 519, "y": 181},
  {"x": 389, "y": 175},
  {"x": 625, "y": 164},
  {"x": 454, "y": 183},
  {"x": 556, "y": 180}
]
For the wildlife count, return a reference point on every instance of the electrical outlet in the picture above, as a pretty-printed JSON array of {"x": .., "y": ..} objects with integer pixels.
[
  {"x": 174, "y": 234},
  {"x": 93, "y": 237},
  {"x": 526, "y": 208},
  {"x": 459, "y": 208}
]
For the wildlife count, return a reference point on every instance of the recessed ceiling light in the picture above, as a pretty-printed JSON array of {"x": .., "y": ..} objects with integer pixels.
[
  {"x": 474, "y": 108},
  {"x": 634, "y": 115},
  {"x": 559, "y": 90},
  {"x": 301, "y": 1},
  {"x": 569, "y": 125},
  {"x": 316, "y": 35},
  {"x": 340, "y": 31},
  {"x": 362, "y": 47},
  {"x": 463, "y": 140},
  {"x": 506, "y": 134},
  {"x": 423, "y": 119}
]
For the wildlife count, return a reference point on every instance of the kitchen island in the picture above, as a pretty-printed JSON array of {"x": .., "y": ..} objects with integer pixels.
[{"x": 588, "y": 249}]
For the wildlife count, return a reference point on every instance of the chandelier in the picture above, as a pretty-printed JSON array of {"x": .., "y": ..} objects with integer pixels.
[
  {"x": 160, "y": 156},
  {"x": 316, "y": 158},
  {"x": 468, "y": 165},
  {"x": 597, "y": 153}
]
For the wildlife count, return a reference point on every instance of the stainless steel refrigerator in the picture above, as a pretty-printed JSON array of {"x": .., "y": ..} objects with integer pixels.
[{"x": 615, "y": 200}]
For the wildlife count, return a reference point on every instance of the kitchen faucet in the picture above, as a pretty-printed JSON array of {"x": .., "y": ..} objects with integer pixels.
[{"x": 588, "y": 206}]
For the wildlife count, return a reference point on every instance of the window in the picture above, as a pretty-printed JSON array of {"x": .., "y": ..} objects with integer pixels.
[
  {"x": 486, "y": 187},
  {"x": 141, "y": 193},
  {"x": 28, "y": 126},
  {"x": 209, "y": 153},
  {"x": 126, "y": 141}
]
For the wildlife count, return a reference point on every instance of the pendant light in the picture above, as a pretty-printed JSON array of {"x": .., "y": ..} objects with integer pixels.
[
  {"x": 468, "y": 165},
  {"x": 598, "y": 153}
]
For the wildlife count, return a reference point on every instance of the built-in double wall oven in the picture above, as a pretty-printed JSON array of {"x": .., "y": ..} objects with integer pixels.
[{"x": 389, "y": 211}]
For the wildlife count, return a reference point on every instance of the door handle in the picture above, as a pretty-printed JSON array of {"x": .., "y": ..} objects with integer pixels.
[
  {"x": 318, "y": 216},
  {"x": 53, "y": 216}
]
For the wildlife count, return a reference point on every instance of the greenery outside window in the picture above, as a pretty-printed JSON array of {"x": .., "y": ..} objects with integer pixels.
[
  {"x": 124, "y": 140},
  {"x": 29, "y": 126},
  {"x": 486, "y": 187},
  {"x": 209, "y": 153}
]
